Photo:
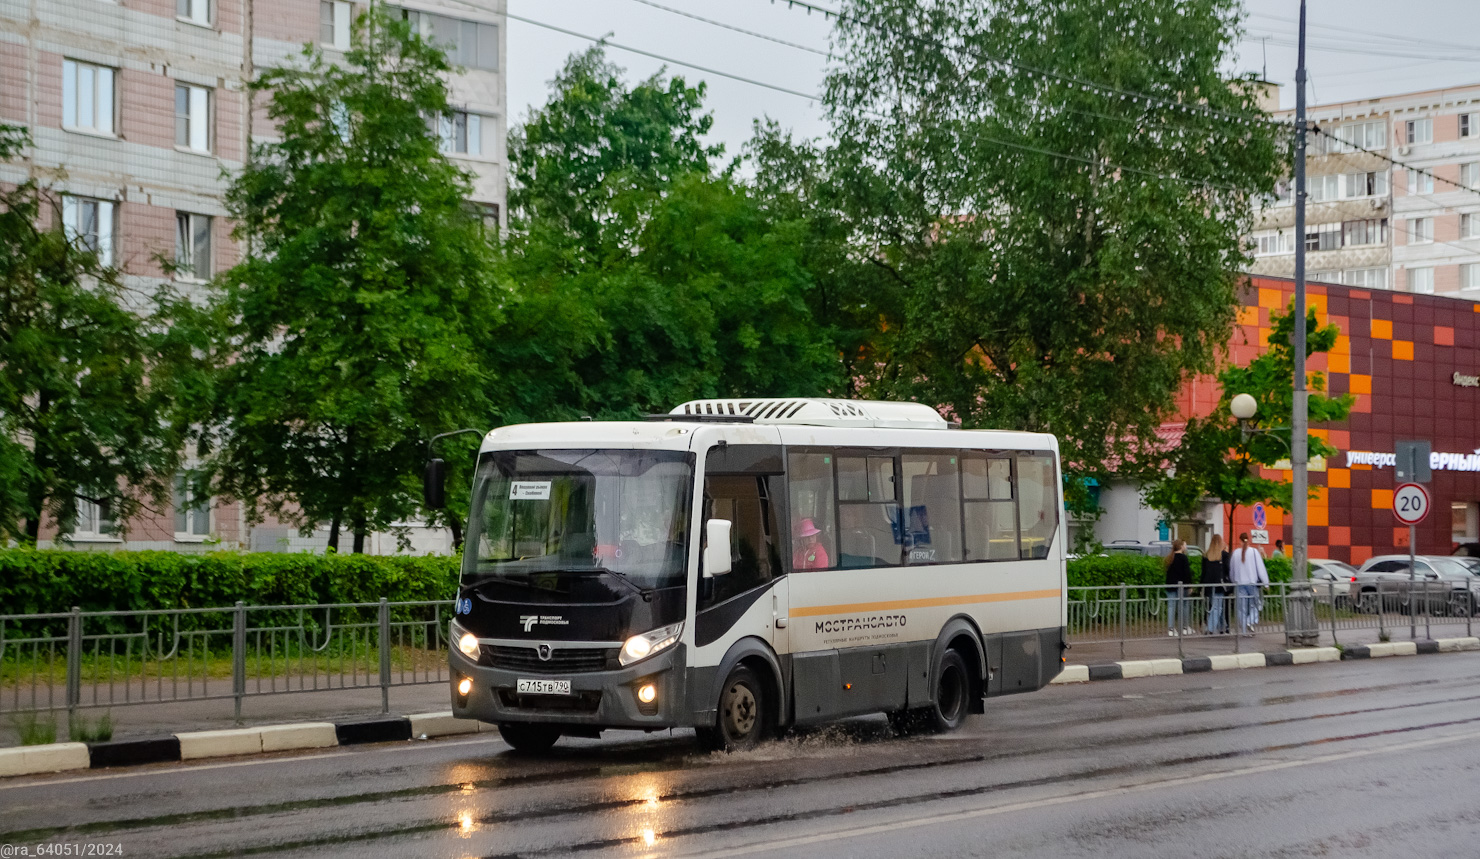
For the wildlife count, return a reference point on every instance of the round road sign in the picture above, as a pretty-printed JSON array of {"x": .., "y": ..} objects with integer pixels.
[{"x": 1411, "y": 503}]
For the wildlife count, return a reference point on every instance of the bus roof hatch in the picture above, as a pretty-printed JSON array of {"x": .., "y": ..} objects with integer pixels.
[{"x": 818, "y": 412}]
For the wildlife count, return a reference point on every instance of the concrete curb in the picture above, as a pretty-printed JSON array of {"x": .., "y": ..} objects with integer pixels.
[
  {"x": 1229, "y": 661},
  {"x": 195, "y": 745}
]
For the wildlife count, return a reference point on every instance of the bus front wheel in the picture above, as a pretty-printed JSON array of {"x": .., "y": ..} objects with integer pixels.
[
  {"x": 742, "y": 717},
  {"x": 527, "y": 737}
]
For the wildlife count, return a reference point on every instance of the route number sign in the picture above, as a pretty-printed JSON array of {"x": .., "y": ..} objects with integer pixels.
[{"x": 1411, "y": 503}]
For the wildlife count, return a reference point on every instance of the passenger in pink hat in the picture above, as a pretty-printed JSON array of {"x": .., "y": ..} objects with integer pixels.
[{"x": 810, "y": 553}]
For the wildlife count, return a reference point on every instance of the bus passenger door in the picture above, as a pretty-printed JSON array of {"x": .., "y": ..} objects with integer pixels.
[{"x": 744, "y": 601}]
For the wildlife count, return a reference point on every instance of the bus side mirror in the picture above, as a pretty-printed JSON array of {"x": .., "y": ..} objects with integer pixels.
[
  {"x": 717, "y": 552},
  {"x": 434, "y": 485}
]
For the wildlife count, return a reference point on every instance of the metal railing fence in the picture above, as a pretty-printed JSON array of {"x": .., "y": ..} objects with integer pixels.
[
  {"x": 77, "y": 659},
  {"x": 1127, "y": 613}
]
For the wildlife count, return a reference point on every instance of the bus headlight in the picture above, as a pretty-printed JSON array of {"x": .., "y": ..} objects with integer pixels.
[
  {"x": 642, "y": 646},
  {"x": 468, "y": 644}
]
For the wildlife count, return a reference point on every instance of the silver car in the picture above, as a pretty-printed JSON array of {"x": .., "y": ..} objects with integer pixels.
[
  {"x": 1438, "y": 584},
  {"x": 1332, "y": 580}
]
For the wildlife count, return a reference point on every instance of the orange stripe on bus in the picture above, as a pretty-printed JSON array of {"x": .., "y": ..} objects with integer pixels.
[{"x": 932, "y": 602}]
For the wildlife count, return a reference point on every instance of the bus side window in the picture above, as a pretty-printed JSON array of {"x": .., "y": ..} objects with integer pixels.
[
  {"x": 870, "y": 530},
  {"x": 1038, "y": 503},
  {"x": 814, "y": 533},
  {"x": 990, "y": 509},
  {"x": 932, "y": 505}
]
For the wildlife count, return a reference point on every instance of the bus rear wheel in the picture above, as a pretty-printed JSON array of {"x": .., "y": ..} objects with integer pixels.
[
  {"x": 527, "y": 737},
  {"x": 742, "y": 719},
  {"x": 952, "y": 701}
]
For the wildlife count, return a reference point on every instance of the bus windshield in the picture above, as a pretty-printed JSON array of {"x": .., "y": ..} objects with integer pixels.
[{"x": 539, "y": 513}]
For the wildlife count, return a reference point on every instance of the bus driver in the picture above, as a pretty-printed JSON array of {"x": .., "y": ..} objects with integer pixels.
[{"x": 810, "y": 553}]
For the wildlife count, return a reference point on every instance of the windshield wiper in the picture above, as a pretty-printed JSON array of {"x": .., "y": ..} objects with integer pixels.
[{"x": 645, "y": 593}]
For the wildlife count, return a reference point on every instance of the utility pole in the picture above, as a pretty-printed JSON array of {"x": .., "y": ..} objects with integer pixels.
[{"x": 1300, "y": 626}]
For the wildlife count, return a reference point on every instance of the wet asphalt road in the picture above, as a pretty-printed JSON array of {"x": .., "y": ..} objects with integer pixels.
[{"x": 1377, "y": 758}]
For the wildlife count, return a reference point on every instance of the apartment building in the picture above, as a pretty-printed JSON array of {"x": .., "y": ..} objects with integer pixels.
[
  {"x": 1373, "y": 223},
  {"x": 138, "y": 114}
]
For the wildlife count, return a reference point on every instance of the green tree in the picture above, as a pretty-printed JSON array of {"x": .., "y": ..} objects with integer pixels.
[
  {"x": 1041, "y": 253},
  {"x": 638, "y": 276},
  {"x": 1215, "y": 459},
  {"x": 357, "y": 317},
  {"x": 93, "y": 375}
]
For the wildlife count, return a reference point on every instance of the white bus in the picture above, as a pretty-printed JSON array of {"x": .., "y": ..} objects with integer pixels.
[{"x": 740, "y": 566}]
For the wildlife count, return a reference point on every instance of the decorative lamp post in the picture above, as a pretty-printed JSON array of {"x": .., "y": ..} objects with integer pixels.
[{"x": 1300, "y": 618}]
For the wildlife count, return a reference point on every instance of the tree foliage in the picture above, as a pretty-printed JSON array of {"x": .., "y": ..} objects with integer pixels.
[
  {"x": 93, "y": 374},
  {"x": 356, "y": 320},
  {"x": 1028, "y": 251},
  {"x": 1215, "y": 459},
  {"x": 640, "y": 277}
]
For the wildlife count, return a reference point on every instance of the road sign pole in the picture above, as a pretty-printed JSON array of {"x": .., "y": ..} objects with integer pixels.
[{"x": 1412, "y": 577}]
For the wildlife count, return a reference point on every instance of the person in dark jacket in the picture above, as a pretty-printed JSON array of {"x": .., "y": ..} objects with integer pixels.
[
  {"x": 1216, "y": 585},
  {"x": 1179, "y": 576}
]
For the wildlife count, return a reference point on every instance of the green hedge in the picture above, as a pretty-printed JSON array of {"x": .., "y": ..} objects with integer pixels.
[
  {"x": 51, "y": 580},
  {"x": 1114, "y": 570}
]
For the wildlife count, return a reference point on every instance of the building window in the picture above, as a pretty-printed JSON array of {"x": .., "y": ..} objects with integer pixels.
[
  {"x": 461, "y": 133},
  {"x": 193, "y": 246},
  {"x": 1319, "y": 189},
  {"x": 1367, "y": 232},
  {"x": 1469, "y": 174},
  {"x": 194, "y": 11},
  {"x": 1365, "y": 184},
  {"x": 1469, "y": 276},
  {"x": 1469, "y": 226},
  {"x": 1420, "y": 183},
  {"x": 1323, "y": 237},
  {"x": 1467, "y": 125},
  {"x": 487, "y": 215},
  {"x": 1420, "y": 231},
  {"x": 467, "y": 43},
  {"x": 89, "y": 223},
  {"x": 334, "y": 20},
  {"x": 87, "y": 97},
  {"x": 1418, "y": 131},
  {"x": 1324, "y": 276},
  {"x": 1373, "y": 278},
  {"x": 192, "y": 514},
  {"x": 94, "y": 522},
  {"x": 1360, "y": 135},
  {"x": 1421, "y": 280},
  {"x": 1273, "y": 243},
  {"x": 193, "y": 117}
]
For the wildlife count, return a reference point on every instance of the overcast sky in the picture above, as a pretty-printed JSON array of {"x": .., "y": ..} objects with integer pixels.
[{"x": 1356, "y": 49}]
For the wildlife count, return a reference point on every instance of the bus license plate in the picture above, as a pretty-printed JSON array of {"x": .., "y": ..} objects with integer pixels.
[{"x": 544, "y": 687}]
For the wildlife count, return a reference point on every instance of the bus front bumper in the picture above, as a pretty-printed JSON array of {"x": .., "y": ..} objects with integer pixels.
[{"x": 597, "y": 699}]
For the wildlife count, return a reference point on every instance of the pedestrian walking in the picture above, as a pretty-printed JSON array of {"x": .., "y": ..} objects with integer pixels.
[
  {"x": 1216, "y": 585},
  {"x": 1246, "y": 571},
  {"x": 1179, "y": 576}
]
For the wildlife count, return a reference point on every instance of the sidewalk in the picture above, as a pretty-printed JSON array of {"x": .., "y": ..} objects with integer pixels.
[
  {"x": 1268, "y": 641},
  {"x": 151, "y": 720}
]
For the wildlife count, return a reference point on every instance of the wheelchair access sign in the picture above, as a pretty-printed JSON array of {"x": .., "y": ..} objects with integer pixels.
[{"x": 1411, "y": 503}]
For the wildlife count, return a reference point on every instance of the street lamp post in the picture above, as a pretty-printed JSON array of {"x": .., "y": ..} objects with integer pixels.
[{"x": 1300, "y": 615}]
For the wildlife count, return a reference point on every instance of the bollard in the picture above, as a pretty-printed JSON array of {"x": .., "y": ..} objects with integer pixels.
[
  {"x": 1381, "y": 608},
  {"x": 385, "y": 655},
  {"x": 1331, "y": 589},
  {"x": 239, "y": 656},
  {"x": 1428, "y": 611},
  {"x": 1122, "y": 620},
  {"x": 74, "y": 669}
]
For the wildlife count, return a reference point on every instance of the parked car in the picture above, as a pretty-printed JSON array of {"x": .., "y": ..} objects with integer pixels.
[
  {"x": 1439, "y": 584},
  {"x": 1332, "y": 580},
  {"x": 1154, "y": 549}
]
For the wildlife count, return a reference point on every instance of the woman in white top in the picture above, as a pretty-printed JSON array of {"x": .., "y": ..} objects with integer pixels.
[{"x": 1246, "y": 571}]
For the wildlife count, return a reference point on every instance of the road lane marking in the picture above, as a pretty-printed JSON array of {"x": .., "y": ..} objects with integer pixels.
[{"x": 1047, "y": 802}]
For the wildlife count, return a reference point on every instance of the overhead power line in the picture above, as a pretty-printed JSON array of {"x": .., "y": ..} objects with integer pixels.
[
  {"x": 1082, "y": 83},
  {"x": 1394, "y": 162},
  {"x": 808, "y": 48},
  {"x": 814, "y": 97}
]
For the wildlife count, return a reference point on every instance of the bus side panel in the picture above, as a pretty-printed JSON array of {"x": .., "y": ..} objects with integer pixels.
[
  {"x": 817, "y": 681},
  {"x": 1025, "y": 661}
]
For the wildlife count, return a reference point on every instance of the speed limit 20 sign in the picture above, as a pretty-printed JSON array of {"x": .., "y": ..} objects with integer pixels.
[{"x": 1411, "y": 503}]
